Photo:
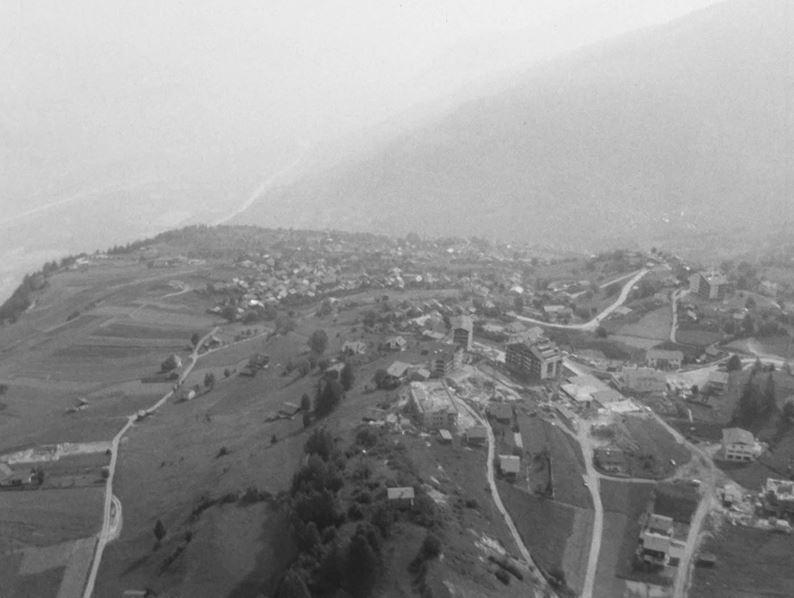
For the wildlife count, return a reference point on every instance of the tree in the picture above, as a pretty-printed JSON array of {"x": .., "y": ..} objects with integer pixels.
[
  {"x": 328, "y": 396},
  {"x": 734, "y": 363},
  {"x": 318, "y": 341},
  {"x": 159, "y": 531},
  {"x": 209, "y": 380},
  {"x": 307, "y": 419},
  {"x": 788, "y": 410},
  {"x": 768, "y": 401},
  {"x": 320, "y": 443},
  {"x": 362, "y": 565},
  {"x": 3, "y": 389},
  {"x": 306, "y": 403},
  {"x": 601, "y": 332},
  {"x": 293, "y": 586},
  {"x": 194, "y": 340},
  {"x": 380, "y": 377},
  {"x": 347, "y": 377}
]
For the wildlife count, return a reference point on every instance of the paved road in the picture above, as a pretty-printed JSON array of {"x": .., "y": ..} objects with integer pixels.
[
  {"x": 592, "y": 324},
  {"x": 110, "y": 523},
  {"x": 674, "y": 303}
]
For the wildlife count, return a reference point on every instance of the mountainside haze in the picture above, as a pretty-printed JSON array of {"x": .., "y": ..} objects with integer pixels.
[{"x": 676, "y": 129}]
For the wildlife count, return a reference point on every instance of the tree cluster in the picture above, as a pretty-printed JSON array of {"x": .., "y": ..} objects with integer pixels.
[
  {"x": 325, "y": 561},
  {"x": 757, "y": 402}
]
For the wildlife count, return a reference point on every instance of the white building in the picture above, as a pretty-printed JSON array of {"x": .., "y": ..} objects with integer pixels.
[{"x": 740, "y": 445}]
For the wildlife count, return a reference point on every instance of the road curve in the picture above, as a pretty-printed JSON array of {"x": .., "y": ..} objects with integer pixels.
[
  {"x": 109, "y": 524},
  {"x": 624, "y": 293}
]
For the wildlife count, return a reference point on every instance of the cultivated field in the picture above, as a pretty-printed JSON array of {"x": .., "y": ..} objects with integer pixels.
[{"x": 750, "y": 563}]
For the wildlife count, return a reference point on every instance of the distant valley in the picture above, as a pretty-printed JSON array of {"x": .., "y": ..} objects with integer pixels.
[{"x": 670, "y": 132}]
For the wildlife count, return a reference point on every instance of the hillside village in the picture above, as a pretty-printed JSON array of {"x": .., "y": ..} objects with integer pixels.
[{"x": 497, "y": 405}]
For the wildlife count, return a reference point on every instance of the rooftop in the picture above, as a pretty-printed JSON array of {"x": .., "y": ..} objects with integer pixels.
[
  {"x": 737, "y": 436},
  {"x": 406, "y": 492},
  {"x": 431, "y": 397},
  {"x": 509, "y": 463}
]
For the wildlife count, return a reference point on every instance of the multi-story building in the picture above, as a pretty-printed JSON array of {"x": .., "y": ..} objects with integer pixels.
[
  {"x": 462, "y": 331},
  {"x": 540, "y": 359},
  {"x": 444, "y": 359},
  {"x": 432, "y": 406},
  {"x": 709, "y": 285}
]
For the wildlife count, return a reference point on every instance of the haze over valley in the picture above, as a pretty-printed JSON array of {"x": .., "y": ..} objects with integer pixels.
[{"x": 122, "y": 119}]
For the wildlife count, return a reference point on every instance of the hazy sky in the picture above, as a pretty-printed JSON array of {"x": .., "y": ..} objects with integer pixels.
[
  {"x": 316, "y": 64},
  {"x": 195, "y": 104}
]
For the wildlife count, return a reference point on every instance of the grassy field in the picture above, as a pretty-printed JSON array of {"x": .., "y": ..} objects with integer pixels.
[
  {"x": 623, "y": 504},
  {"x": 567, "y": 462},
  {"x": 750, "y": 563},
  {"x": 654, "y": 325},
  {"x": 547, "y": 528},
  {"x": 654, "y": 449},
  {"x": 45, "y": 517},
  {"x": 677, "y": 499}
]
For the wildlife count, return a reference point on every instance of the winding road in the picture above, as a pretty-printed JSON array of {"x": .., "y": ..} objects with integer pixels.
[
  {"x": 111, "y": 518},
  {"x": 592, "y": 324}
]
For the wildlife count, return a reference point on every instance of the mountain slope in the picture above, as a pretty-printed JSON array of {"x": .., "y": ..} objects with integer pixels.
[{"x": 681, "y": 127}]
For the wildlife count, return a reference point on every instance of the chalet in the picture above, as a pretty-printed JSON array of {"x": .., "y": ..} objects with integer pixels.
[
  {"x": 660, "y": 524},
  {"x": 642, "y": 379},
  {"x": 664, "y": 359},
  {"x": 501, "y": 412},
  {"x": 509, "y": 465},
  {"x": 740, "y": 445},
  {"x": 709, "y": 285},
  {"x": 717, "y": 382},
  {"x": 395, "y": 343},
  {"x": 397, "y": 372},
  {"x": 351, "y": 348},
  {"x": 401, "y": 497},
  {"x": 476, "y": 435},
  {"x": 611, "y": 460},
  {"x": 655, "y": 548},
  {"x": 445, "y": 436}
]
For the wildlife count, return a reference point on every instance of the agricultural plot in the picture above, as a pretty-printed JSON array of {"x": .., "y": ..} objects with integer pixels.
[
  {"x": 137, "y": 331},
  {"x": 653, "y": 325},
  {"x": 750, "y": 562},
  {"x": 623, "y": 504},
  {"x": 46, "y": 517},
  {"x": 547, "y": 528},
  {"x": 655, "y": 453}
]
